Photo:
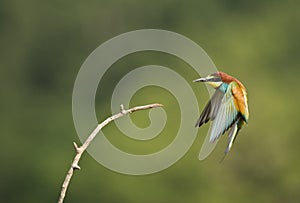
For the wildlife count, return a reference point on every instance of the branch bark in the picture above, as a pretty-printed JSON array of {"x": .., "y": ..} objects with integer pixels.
[{"x": 81, "y": 149}]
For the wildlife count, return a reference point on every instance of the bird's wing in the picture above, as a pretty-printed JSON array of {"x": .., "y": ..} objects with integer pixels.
[
  {"x": 211, "y": 109},
  {"x": 226, "y": 114}
]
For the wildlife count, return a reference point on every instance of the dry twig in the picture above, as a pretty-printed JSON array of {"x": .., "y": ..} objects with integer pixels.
[{"x": 81, "y": 149}]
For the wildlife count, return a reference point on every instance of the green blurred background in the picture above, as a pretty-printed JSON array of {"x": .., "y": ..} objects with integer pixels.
[{"x": 43, "y": 45}]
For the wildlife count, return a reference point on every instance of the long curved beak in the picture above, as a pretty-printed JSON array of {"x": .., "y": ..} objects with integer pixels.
[{"x": 200, "y": 80}]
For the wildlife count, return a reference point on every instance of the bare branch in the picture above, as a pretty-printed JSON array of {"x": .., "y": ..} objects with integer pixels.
[{"x": 81, "y": 149}]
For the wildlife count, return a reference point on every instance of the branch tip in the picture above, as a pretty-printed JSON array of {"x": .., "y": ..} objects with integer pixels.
[
  {"x": 158, "y": 105},
  {"x": 76, "y": 167},
  {"x": 75, "y": 146},
  {"x": 78, "y": 149},
  {"x": 122, "y": 110}
]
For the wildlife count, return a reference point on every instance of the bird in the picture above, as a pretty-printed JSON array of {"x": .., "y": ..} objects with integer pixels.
[{"x": 227, "y": 108}]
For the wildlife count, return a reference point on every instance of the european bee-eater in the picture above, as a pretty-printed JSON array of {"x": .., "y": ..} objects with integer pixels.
[{"x": 228, "y": 107}]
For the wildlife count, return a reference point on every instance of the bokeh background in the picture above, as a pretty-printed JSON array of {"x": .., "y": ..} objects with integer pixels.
[{"x": 43, "y": 45}]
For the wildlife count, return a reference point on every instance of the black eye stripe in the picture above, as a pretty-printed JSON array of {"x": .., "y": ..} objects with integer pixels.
[{"x": 214, "y": 80}]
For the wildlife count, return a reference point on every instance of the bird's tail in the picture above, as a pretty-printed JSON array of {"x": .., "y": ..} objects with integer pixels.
[{"x": 231, "y": 137}]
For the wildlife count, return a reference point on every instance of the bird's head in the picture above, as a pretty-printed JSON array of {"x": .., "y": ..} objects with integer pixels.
[{"x": 214, "y": 79}]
